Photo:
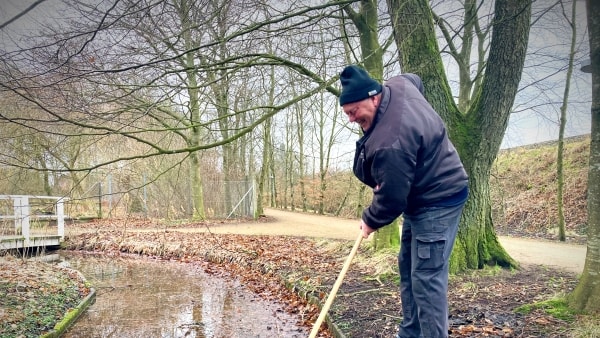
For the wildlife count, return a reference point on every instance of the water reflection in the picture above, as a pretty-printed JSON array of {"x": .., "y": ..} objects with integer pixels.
[{"x": 147, "y": 298}]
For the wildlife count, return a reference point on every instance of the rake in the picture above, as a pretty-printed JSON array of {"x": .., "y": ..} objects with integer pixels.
[{"x": 335, "y": 288}]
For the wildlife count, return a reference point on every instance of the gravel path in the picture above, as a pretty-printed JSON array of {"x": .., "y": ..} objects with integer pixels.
[
  {"x": 554, "y": 254},
  {"x": 569, "y": 257}
]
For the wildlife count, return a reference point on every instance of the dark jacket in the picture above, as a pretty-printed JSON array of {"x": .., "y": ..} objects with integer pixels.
[{"x": 406, "y": 156}]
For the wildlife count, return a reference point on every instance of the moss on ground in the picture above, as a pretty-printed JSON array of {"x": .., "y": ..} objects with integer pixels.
[{"x": 34, "y": 296}]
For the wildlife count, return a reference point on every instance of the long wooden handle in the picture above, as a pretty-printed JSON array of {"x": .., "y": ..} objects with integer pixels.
[{"x": 335, "y": 288}]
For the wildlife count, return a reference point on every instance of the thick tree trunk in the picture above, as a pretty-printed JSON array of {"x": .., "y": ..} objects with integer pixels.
[
  {"x": 387, "y": 237},
  {"x": 477, "y": 133},
  {"x": 372, "y": 53},
  {"x": 264, "y": 170},
  {"x": 194, "y": 139},
  {"x": 301, "y": 158},
  {"x": 586, "y": 295},
  {"x": 476, "y": 243},
  {"x": 198, "y": 211}
]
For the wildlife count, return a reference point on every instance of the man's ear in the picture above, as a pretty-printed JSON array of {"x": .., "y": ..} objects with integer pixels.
[{"x": 377, "y": 99}]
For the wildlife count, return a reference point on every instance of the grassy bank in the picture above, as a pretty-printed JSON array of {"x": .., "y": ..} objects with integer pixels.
[{"x": 34, "y": 296}]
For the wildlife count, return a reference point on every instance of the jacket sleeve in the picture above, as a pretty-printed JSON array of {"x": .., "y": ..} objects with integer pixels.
[{"x": 393, "y": 170}]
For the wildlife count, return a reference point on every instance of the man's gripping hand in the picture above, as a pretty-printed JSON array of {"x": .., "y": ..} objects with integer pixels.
[{"x": 366, "y": 229}]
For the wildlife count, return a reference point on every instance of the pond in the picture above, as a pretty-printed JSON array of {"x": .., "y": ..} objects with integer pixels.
[{"x": 148, "y": 298}]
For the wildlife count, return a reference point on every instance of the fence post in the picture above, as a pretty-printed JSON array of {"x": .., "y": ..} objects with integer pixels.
[
  {"x": 60, "y": 218},
  {"x": 145, "y": 197},
  {"x": 109, "y": 183},
  {"x": 254, "y": 198},
  {"x": 18, "y": 215},
  {"x": 21, "y": 205},
  {"x": 100, "y": 200}
]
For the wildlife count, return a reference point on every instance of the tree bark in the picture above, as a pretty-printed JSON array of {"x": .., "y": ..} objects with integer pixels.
[
  {"x": 194, "y": 139},
  {"x": 478, "y": 132},
  {"x": 372, "y": 53},
  {"x": 561, "y": 133},
  {"x": 586, "y": 296}
]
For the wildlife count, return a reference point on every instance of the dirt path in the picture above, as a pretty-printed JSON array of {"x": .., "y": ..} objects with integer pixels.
[
  {"x": 526, "y": 251},
  {"x": 488, "y": 306}
]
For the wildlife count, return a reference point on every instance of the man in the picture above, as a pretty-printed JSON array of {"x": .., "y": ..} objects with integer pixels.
[{"x": 406, "y": 157}]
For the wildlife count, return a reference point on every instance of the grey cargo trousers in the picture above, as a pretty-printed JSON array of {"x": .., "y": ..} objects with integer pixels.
[{"x": 427, "y": 240}]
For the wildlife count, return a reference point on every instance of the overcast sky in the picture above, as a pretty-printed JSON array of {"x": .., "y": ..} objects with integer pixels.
[{"x": 525, "y": 127}]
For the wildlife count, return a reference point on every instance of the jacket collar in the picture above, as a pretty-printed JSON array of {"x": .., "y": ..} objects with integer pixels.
[{"x": 383, "y": 105}]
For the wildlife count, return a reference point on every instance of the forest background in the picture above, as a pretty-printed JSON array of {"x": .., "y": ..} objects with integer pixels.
[
  {"x": 133, "y": 148},
  {"x": 176, "y": 107}
]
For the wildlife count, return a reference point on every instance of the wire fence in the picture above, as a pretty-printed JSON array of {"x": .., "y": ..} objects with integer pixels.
[{"x": 109, "y": 198}]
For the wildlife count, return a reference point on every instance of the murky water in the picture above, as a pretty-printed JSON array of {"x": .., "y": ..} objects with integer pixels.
[{"x": 146, "y": 298}]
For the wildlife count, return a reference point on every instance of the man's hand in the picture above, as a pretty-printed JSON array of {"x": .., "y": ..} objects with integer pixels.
[{"x": 366, "y": 229}]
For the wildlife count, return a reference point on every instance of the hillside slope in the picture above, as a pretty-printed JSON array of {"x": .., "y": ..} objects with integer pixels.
[{"x": 524, "y": 190}]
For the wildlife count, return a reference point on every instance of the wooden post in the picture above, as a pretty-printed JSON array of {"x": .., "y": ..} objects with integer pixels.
[
  {"x": 100, "y": 200},
  {"x": 21, "y": 206},
  {"x": 17, "y": 213},
  {"x": 60, "y": 218}
]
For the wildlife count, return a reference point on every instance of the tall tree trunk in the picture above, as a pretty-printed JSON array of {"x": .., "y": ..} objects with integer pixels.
[
  {"x": 264, "y": 169},
  {"x": 194, "y": 139},
  {"x": 290, "y": 175},
  {"x": 220, "y": 85},
  {"x": 45, "y": 176},
  {"x": 272, "y": 177},
  {"x": 197, "y": 191},
  {"x": 387, "y": 237},
  {"x": 561, "y": 133},
  {"x": 586, "y": 295},
  {"x": 288, "y": 163},
  {"x": 322, "y": 189},
  {"x": 465, "y": 85},
  {"x": 372, "y": 54},
  {"x": 323, "y": 158},
  {"x": 299, "y": 112},
  {"x": 221, "y": 95},
  {"x": 477, "y": 133},
  {"x": 267, "y": 154},
  {"x": 194, "y": 113}
]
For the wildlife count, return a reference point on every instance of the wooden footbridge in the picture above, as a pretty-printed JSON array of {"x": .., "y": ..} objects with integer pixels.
[{"x": 31, "y": 221}]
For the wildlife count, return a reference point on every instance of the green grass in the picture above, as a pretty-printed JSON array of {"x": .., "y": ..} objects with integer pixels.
[
  {"x": 557, "y": 308},
  {"x": 40, "y": 309},
  {"x": 587, "y": 327}
]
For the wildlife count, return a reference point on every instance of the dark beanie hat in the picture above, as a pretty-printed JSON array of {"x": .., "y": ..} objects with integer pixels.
[{"x": 357, "y": 85}]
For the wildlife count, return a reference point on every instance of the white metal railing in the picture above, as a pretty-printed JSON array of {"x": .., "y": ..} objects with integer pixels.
[{"x": 22, "y": 215}]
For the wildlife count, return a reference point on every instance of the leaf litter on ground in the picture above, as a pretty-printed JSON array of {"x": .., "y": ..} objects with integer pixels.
[
  {"x": 34, "y": 296},
  {"x": 292, "y": 270}
]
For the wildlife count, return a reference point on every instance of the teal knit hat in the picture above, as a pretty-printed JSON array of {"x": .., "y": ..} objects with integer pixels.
[{"x": 357, "y": 85}]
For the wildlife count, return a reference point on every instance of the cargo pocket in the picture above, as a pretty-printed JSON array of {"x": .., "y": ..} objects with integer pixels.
[{"x": 430, "y": 251}]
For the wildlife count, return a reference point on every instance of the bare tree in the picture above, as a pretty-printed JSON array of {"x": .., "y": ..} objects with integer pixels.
[
  {"x": 563, "y": 121},
  {"x": 586, "y": 295},
  {"x": 162, "y": 67},
  {"x": 478, "y": 132}
]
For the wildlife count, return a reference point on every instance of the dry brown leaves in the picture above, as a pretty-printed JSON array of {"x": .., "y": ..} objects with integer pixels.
[
  {"x": 264, "y": 264},
  {"x": 480, "y": 306}
]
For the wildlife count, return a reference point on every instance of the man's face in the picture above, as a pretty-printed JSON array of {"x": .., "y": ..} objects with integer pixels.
[{"x": 362, "y": 112}]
